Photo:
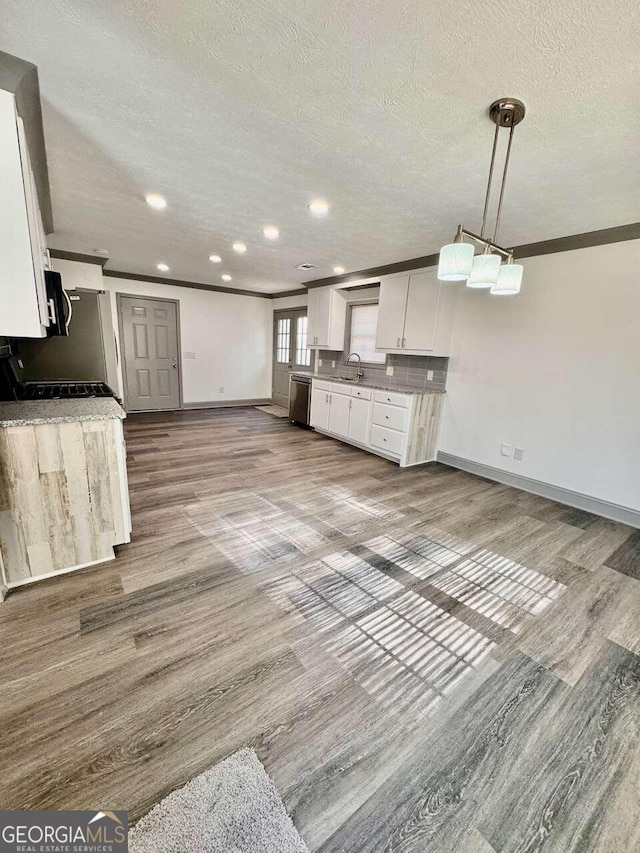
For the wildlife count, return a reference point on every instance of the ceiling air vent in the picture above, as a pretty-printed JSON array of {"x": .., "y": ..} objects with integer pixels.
[{"x": 307, "y": 267}]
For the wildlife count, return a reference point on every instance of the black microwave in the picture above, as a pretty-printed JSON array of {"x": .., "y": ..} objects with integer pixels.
[{"x": 58, "y": 305}]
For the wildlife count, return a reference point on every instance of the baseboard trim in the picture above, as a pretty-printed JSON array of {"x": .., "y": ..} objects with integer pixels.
[
  {"x": 615, "y": 512},
  {"x": 48, "y": 575},
  {"x": 222, "y": 404}
]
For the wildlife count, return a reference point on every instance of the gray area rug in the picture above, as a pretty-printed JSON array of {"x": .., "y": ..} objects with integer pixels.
[
  {"x": 277, "y": 411},
  {"x": 233, "y": 807}
]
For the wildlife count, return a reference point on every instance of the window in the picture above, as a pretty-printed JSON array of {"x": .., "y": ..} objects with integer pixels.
[
  {"x": 283, "y": 340},
  {"x": 303, "y": 355},
  {"x": 364, "y": 321}
]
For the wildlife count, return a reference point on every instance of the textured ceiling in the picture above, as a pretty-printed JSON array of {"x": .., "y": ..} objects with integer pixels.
[{"x": 240, "y": 112}]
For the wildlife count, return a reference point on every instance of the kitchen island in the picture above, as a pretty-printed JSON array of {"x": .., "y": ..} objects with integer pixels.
[
  {"x": 64, "y": 500},
  {"x": 401, "y": 424}
]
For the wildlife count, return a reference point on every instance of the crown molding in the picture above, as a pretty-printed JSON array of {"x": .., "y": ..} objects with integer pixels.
[
  {"x": 63, "y": 255},
  {"x": 298, "y": 292},
  {"x": 602, "y": 237},
  {"x": 194, "y": 285}
]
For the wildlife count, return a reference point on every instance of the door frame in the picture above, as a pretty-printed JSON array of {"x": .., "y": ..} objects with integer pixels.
[
  {"x": 121, "y": 354},
  {"x": 277, "y": 313}
]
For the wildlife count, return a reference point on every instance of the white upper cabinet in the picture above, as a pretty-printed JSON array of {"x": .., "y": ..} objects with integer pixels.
[
  {"x": 416, "y": 314},
  {"x": 391, "y": 312},
  {"x": 326, "y": 312},
  {"x": 23, "y": 253}
]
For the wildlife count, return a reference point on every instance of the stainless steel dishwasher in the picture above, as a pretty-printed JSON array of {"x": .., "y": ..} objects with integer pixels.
[{"x": 299, "y": 399}]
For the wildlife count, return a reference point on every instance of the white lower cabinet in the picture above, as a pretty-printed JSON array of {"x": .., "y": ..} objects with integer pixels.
[
  {"x": 389, "y": 440},
  {"x": 359, "y": 417},
  {"x": 400, "y": 427},
  {"x": 319, "y": 415},
  {"x": 339, "y": 404}
]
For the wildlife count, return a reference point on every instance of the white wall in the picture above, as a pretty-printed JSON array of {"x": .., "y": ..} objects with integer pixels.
[
  {"x": 555, "y": 370},
  {"x": 229, "y": 334},
  {"x": 299, "y": 301}
]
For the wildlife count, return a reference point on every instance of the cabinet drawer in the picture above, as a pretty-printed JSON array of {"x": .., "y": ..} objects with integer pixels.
[
  {"x": 389, "y": 416},
  {"x": 392, "y": 398},
  {"x": 362, "y": 393},
  {"x": 386, "y": 439},
  {"x": 321, "y": 385},
  {"x": 338, "y": 388}
]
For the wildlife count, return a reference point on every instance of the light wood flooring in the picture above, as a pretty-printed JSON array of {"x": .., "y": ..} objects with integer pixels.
[{"x": 424, "y": 660}]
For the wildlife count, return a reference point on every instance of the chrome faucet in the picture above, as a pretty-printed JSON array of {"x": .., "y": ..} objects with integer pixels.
[{"x": 359, "y": 371}]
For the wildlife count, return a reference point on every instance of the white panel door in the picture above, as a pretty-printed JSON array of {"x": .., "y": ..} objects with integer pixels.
[
  {"x": 422, "y": 311},
  {"x": 319, "y": 414},
  {"x": 150, "y": 353},
  {"x": 339, "y": 414},
  {"x": 391, "y": 313},
  {"x": 359, "y": 420}
]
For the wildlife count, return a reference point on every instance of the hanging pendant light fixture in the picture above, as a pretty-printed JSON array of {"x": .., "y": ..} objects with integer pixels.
[
  {"x": 509, "y": 279},
  {"x": 486, "y": 270}
]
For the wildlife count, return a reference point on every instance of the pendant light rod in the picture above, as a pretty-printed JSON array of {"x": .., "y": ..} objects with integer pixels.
[
  {"x": 488, "y": 194},
  {"x": 504, "y": 180},
  {"x": 483, "y": 241}
]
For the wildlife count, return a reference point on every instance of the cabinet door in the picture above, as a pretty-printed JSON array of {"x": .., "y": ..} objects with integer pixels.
[
  {"x": 391, "y": 313},
  {"x": 23, "y": 304},
  {"x": 359, "y": 420},
  {"x": 339, "y": 414},
  {"x": 319, "y": 415},
  {"x": 324, "y": 316},
  {"x": 319, "y": 317},
  {"x": 312, "y": 317},
  {"x": 422, "y": 312}
]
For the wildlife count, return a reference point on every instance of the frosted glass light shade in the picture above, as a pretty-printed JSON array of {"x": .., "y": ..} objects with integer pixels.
[
  {"x": 484, "y": 272},
  {"x": 509, "y": 280},
  {"x": 455, "y": 262}
]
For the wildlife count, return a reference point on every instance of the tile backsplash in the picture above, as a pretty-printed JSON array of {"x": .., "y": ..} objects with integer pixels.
[{"x": 409, "y": 371}]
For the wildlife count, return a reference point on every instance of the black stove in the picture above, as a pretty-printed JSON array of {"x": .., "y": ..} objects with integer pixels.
[
  {"x": 62, "y": 390},
  {"x": 12, "y": 387}
]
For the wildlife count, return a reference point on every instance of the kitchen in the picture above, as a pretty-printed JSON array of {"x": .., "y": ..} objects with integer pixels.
[{"x": 304, "y": 485}]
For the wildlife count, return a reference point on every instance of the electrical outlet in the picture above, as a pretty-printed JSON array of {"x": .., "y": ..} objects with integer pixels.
[
  {"x": 390, "y": 370},
  {"x": 333, "y": 364},
  {"x": 518, "y": 453},
  {"x": 319, "y": 362},
  {"x": 429, "y": 375},
  {"x": 506, "y": 449},
  {"x": 221, "y": 389}
]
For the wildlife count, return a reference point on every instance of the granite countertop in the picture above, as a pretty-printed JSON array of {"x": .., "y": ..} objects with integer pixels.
[
  {"x": 366, "y": 383},
  {"x": 35, "y": 412}
]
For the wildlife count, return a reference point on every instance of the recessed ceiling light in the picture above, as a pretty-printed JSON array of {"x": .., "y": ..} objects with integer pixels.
[
  {"x": 338, "y": 270},
  {"x": 319, "y": 207},
  {"x": 156, "y": 201},
  {"x": 163, "y": 267},
  {"x": 215, "y": 259},
  {"x": 226, "y": 277},
  {"x": 271, "y": 232},
  {"x": 240, "y": 248}
]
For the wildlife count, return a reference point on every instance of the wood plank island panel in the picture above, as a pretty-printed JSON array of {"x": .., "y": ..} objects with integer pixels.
[
  {"x": 423, "y": 431},
  {"x": 63, "y": 496}
]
